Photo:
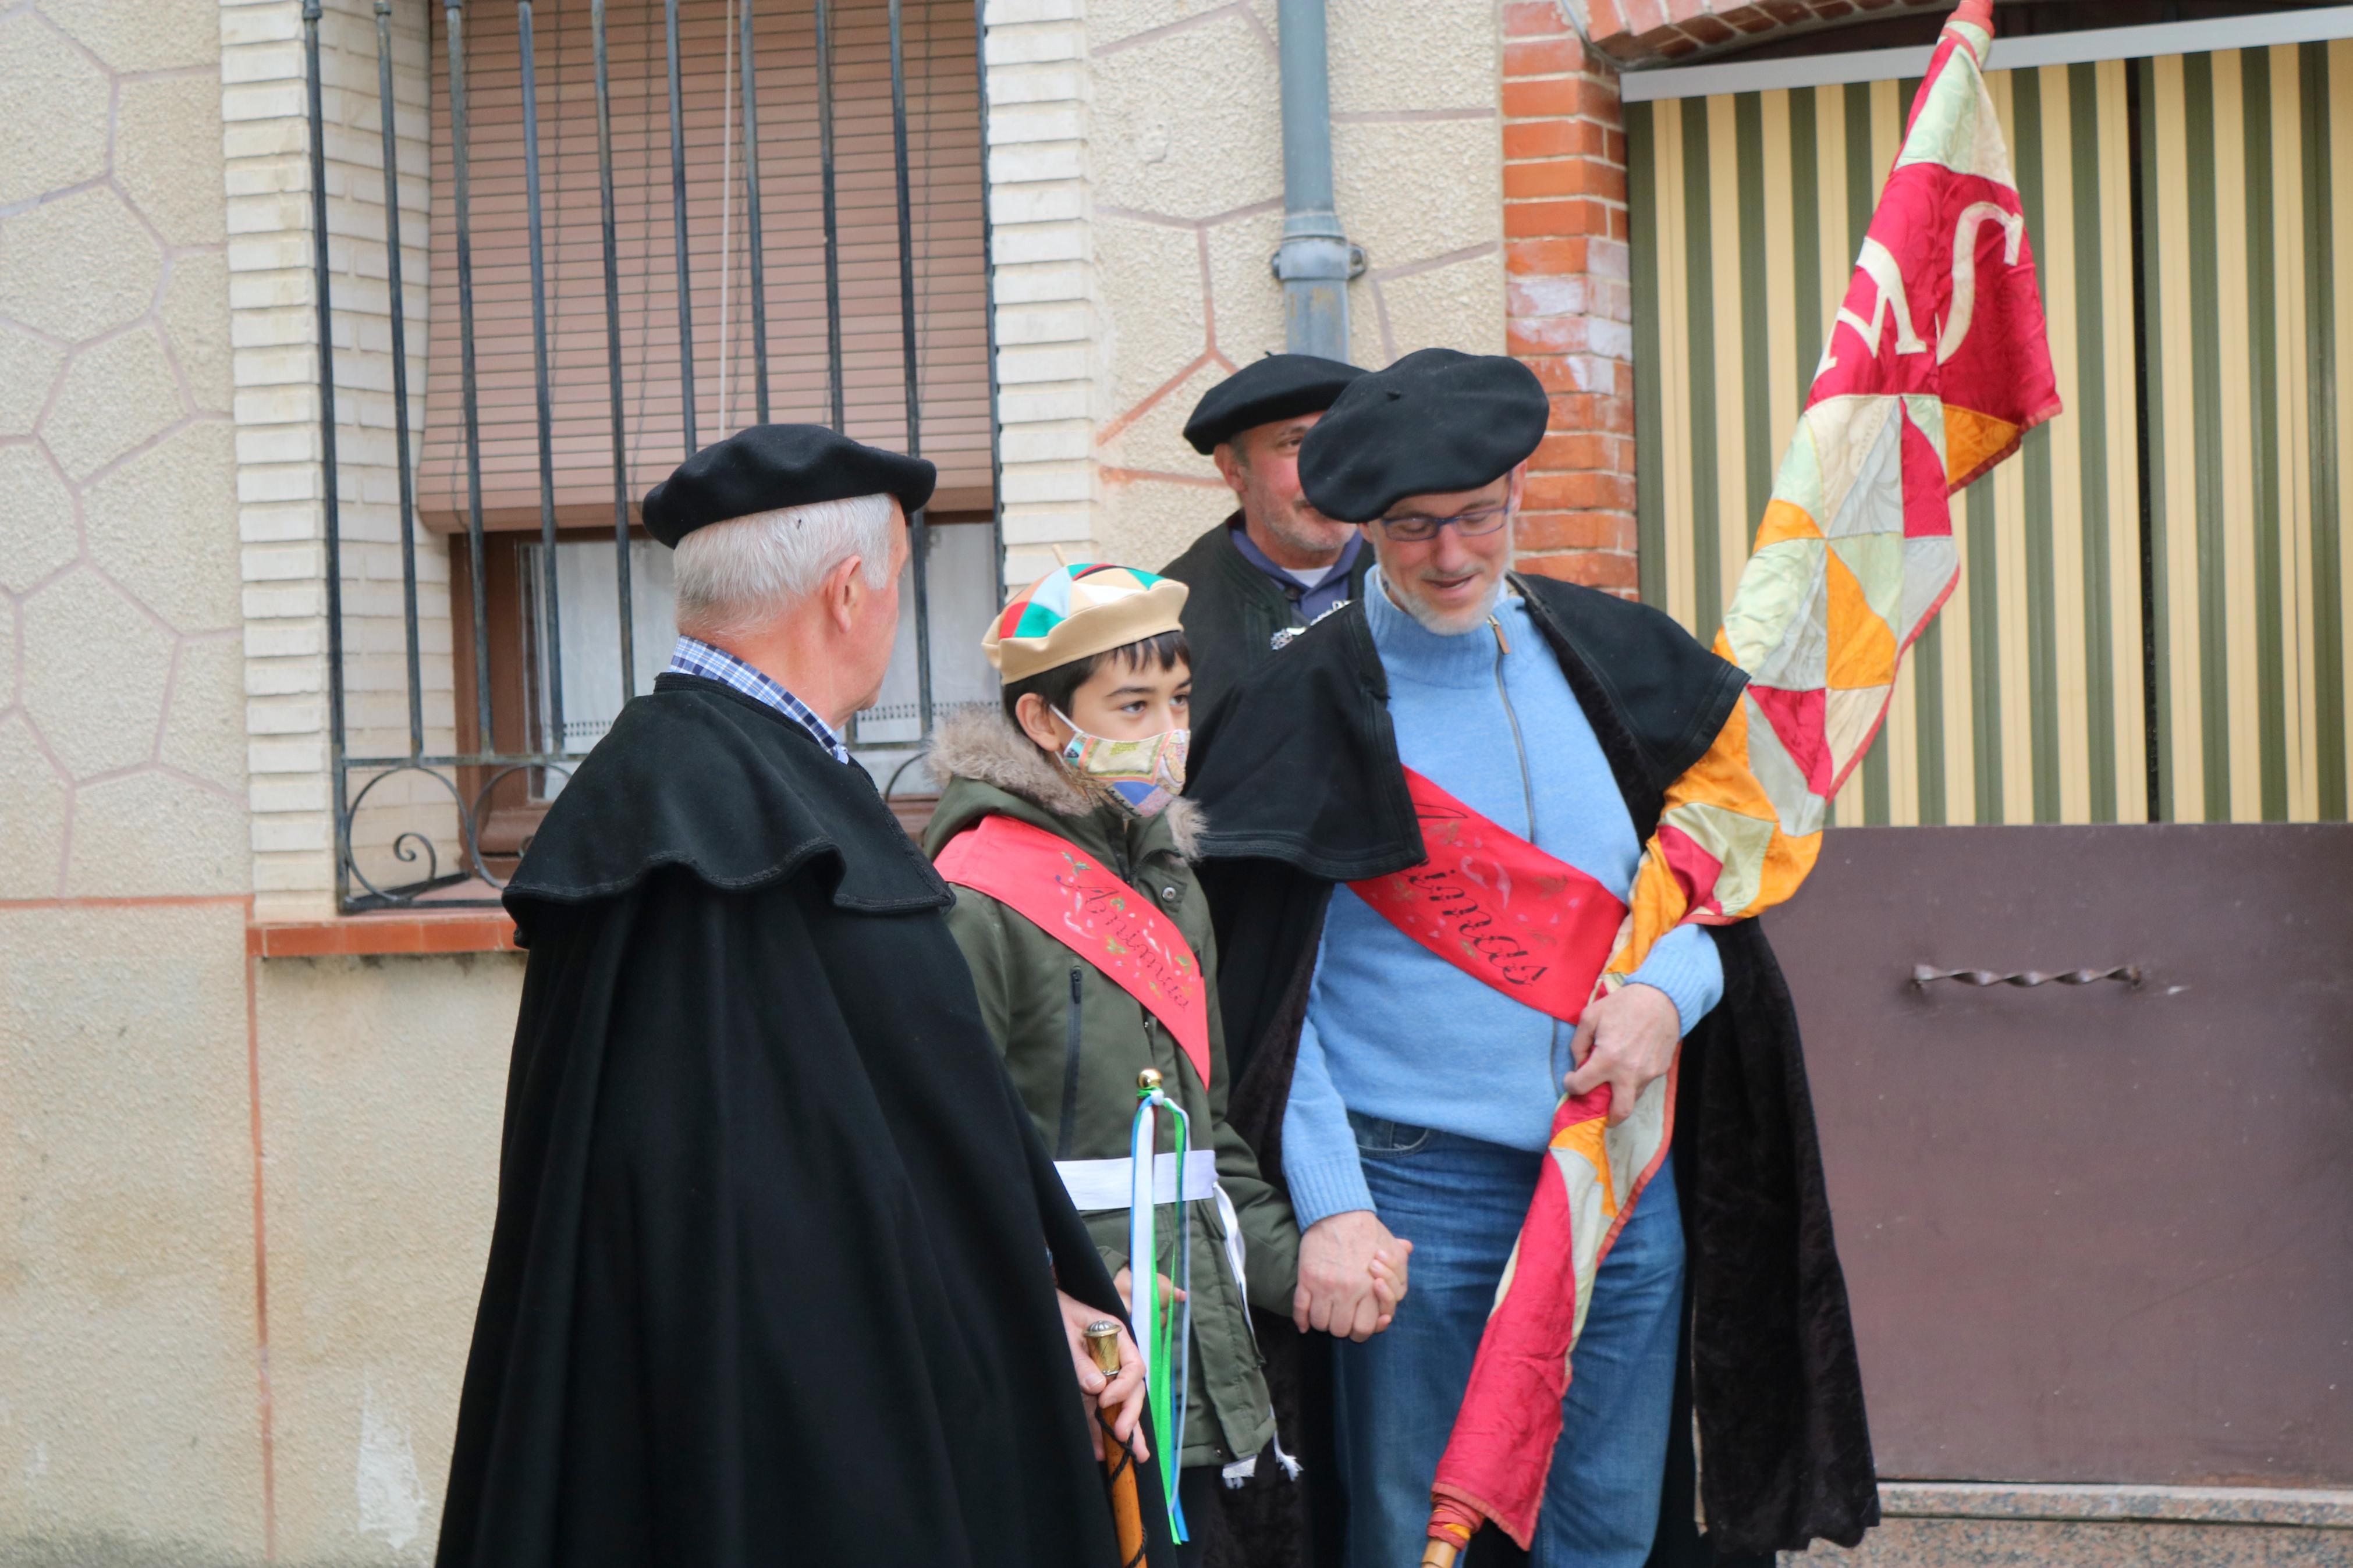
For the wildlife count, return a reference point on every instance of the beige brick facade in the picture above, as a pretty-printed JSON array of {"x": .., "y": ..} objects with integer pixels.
[{"x": 280, "y": 486}]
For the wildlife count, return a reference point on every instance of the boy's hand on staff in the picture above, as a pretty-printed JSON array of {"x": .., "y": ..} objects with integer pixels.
[{"x": 1120, "y": 1397}]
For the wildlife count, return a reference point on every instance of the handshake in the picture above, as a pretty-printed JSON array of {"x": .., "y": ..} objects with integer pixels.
[{"x": 1352, "y": 1275}]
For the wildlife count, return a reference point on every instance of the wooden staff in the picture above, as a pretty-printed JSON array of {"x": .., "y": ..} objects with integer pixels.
[{"x": 1119, "y": 1461}]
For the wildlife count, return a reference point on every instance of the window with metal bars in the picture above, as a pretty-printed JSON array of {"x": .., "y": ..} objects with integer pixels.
[{"x": 652, "y": 222}]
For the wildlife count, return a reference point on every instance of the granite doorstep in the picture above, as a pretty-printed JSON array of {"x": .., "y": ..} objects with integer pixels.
[{"x": 1946, "y": 1524}]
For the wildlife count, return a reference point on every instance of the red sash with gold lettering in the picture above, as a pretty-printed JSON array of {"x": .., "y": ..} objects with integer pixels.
[
  {"x": 1058, "y": 887},
  {"x": 1499, "y": 908}
]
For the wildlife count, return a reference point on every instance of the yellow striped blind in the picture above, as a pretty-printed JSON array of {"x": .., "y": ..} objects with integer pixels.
[
  {"x": 2023, "y": 701},
  {"x": 2247, "y": 213},
  {"x": 2150, "y": 622}
]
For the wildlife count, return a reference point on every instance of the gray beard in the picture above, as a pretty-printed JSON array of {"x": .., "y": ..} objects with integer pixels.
[
  {"x": 1297, "y": 537},
  {"x": 1453, "y": 625}
]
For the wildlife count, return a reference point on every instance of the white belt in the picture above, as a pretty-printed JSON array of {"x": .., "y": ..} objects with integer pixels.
[{"x": 1099, "y": 1184}]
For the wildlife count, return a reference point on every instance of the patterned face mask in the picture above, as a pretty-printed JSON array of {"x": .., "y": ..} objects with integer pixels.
[{"x": 1148, "y": 773}]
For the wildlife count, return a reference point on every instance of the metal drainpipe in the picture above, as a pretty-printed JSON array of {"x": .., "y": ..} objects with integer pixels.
[{"x": 1315, "y": 259}]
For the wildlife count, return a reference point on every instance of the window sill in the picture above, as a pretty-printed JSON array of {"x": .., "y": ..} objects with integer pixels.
[{"x": 472, "y": 931}]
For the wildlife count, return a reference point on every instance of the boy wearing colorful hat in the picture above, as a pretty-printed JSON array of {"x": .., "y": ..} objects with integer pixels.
[{"x": 1064, "y": 831}]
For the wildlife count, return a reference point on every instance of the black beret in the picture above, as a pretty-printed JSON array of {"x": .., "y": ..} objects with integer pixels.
[
  {"x": 1280, "y": 386},
  {"x": 766, "y": 467},
  {"x": 1435, "y": 422}
]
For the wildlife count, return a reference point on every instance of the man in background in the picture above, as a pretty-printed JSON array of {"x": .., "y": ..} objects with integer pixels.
[{"x": 1276, "y": 564}]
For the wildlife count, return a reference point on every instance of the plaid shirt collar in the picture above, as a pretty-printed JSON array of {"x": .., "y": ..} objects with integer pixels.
[{"x": 694, "y": 657}]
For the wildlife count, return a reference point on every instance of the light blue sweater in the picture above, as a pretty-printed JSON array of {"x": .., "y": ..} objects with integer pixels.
[{"x": 1396, "y": 1032}]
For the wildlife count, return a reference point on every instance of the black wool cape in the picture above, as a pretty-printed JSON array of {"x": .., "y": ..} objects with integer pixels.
[
  {"x": 1300, "y": 782},
  {"x": 773, "y": 1275}
]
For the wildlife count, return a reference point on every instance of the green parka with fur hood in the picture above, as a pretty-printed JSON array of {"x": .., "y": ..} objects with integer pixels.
[{"x": 1074, "y": 1043}]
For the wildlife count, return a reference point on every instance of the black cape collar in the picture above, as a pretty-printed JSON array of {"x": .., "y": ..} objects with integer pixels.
[
  {"x": 700, "y": 777},
  {"x": 1300, "y": 766}
]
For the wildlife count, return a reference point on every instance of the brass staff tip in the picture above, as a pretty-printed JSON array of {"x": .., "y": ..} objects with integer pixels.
[
  {"x": 1148, "y": 1080},
  {"x": 1103, "y": 1343}
]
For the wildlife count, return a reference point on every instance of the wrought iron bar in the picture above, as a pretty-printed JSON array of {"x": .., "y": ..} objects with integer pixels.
[
  {"x": 918, "y": 530},
  {"x": 2125, "y": 973},
  {"x": 613, "y": 350},
  {"x": 832, "y": 220},
  {"x": 988, "y": 306},
  {"x": 330, "y": 478},
  {"x": 752, "y": 218},
  {"x": 453, "y": 14},
  {"x": 677, "y": 235},
  {"x": 555, "y": 725},
  {"x": 386, "y": 116}
]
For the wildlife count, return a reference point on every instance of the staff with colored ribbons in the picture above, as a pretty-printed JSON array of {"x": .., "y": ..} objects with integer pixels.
[{"x": 1163, "y": 1335}]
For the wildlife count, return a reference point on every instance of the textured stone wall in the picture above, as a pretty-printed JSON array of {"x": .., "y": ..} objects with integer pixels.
[
  {"x": 1136, "y": 187},
  {"x": 121, "y": 761}
]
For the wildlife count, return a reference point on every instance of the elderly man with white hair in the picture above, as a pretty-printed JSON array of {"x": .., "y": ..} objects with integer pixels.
[{"x": 781, "y": 1271}]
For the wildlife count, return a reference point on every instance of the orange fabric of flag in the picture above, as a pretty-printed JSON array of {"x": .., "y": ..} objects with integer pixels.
[{"x": 1936, "y": 366}]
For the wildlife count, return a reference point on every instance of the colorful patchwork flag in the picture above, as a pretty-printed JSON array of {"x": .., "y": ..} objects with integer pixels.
[{"x": 1938, "y": 365}]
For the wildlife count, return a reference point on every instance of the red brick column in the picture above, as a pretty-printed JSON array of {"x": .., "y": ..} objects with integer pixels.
[{"x": 1568, "y": 304}]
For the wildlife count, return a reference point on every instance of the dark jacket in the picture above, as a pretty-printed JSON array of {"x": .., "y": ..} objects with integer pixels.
[
  {"x": 769, "y": 1280},
  {"x": 1299, "y": 778},
  {"x": 1234, "y": 611},
  {"x": 1074, "y": 1041}
]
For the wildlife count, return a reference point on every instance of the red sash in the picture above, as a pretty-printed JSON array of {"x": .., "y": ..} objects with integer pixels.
[
  {"x": 1052, "y": 882},
  {"x": 1499, "y": 908}
]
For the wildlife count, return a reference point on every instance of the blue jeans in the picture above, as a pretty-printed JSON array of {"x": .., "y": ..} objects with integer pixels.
[{"x": 1460, "y": 1202}]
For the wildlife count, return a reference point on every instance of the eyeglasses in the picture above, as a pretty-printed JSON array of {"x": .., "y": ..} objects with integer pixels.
[{"x": 1416, "y": 529}]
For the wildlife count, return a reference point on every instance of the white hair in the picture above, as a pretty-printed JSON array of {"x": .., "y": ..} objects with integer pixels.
[{"x": 736, "y": 575}]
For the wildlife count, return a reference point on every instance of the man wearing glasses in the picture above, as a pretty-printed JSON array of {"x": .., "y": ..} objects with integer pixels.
[{"x": 1401, "y": 1053}]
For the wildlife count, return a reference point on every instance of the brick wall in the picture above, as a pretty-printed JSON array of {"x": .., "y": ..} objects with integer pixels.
[{"x": 1569, "y": 301}]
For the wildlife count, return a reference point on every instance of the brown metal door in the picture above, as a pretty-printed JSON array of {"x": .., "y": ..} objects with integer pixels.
[{"x": 2093, "y": 1233}]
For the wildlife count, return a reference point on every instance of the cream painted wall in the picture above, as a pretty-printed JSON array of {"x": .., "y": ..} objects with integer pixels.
[
  {"x": 129, "y": 1377},
  {"x": 1136, "y": 182},
  {"x": 383, "y": 1082}
]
